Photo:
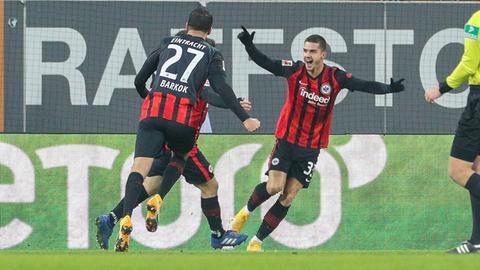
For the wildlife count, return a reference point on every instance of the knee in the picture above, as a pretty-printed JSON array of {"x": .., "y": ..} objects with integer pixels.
[
  {"x": 454, "y": 171},
  {"x": 209, "y": 189},
  {"x": 287, "y": 199},
  {"x": 212, "y": 187},
  {"x": 142, "y": 165},
  {"x": 274, "y": 188},
  {"x": 459, "y": 173},
  {"x": 476, "y": 166}
]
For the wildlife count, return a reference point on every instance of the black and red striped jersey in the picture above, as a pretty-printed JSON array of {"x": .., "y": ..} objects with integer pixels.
[
  {"x": 306, "y": 115},
  {"x": 182, "y": 64},
  {"x": 199, "y": 114}
]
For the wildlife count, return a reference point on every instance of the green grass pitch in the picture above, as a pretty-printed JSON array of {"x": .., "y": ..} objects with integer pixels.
[{"x": 233, "y": 260}]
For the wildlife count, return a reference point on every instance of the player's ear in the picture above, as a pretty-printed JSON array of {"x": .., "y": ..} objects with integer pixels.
[
  {"x": 209, "y": 31},
  {"x": 186, "y": 26},
  {"x": 324, "y": 54}
]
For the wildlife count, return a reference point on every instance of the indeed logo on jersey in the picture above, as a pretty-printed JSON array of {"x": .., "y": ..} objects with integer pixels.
[
  {"x": 314, "y": 98},
  {"x": 174, "y": 86}
]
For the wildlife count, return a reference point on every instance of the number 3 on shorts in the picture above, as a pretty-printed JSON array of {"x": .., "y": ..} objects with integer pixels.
[{"x": 310, "y": 168}]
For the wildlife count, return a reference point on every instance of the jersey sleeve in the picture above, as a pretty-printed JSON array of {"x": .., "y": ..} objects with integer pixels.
[
  {"x": 147, "y": 70},
  {"x": 471, "y": 55},
  {"x": 218, "y": 83},
  {"x": 283, "y": 68},
  {"x": 212, "y": 98},
  {"x": 348, "y": 81}
]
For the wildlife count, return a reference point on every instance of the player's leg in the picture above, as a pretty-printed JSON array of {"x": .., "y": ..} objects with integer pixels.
[
  {"x": 149, "y": 143},
  {"x": 155, "y": 203},
  {"x": 261, "y": 193},
  {"x": 151, "y": 185},
  {"x": 298, "y": 177},
  {"x": 199, "y": 172},
  {"x": 275, "y": 214},
  {"x": 180, "y": 139},
  {"x": 210, "y": 206},
  {"x": 279, "y": 165},
  {"x": 211, "y": 209},
  {"x": 106, "y": 222}
]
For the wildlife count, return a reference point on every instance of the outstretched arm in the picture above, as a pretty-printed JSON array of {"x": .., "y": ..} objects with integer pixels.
[
  {"x": 214, "y": 99},
  {"x": 273, "y": 66},
  {"x": 217, "y": 81},
  {"x": 346, "y": 80}
]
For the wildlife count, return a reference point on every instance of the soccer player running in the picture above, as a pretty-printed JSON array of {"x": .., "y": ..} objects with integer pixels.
[
  {"x": 302, "y": 129},
  {"x": 182, "y": 66},
  {"x": 198, "y": 172},
  {"x": 464, "y": 161}
]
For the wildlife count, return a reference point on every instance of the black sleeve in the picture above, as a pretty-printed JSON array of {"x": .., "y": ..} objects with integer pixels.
[
  {"x": 147, "y": 69},
  {"x": 217, "y": 81},
  {"x": 213, "y": 98},
  {"x": 444, "y": 87},
  {"x": 283, "y": 68},
  {"x": 346, "y": 80}
]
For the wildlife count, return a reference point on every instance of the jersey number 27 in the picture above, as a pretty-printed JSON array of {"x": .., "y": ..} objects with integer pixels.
[{"x": 174, "y": 59}]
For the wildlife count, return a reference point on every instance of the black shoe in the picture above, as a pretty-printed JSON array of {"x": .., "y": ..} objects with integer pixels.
[{"x": 465, "y": 248}]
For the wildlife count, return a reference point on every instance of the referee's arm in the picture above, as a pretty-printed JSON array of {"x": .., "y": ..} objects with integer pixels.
[{"x": 469, "y": 64}]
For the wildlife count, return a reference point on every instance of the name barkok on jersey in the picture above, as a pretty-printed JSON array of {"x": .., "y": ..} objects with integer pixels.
[
  {"x": 173, "y": 86},
  {"x": 314, "y": 98},
  {"x": 190, "y": 43}
]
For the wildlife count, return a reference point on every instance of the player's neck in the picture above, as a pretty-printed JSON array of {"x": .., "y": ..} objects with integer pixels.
[
  {"x": 196, "y": 33},
  {"x": 316, "y": 71}
]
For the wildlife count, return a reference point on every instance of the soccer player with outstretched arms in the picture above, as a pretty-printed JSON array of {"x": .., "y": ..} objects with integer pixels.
[{"x": 303, "y": 126}]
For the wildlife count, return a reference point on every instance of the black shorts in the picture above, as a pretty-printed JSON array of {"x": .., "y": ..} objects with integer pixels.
[
  {"x": 197, "y": 168},
  {"x": 466, "y": 144},
  {"x": 154, "y": 133},
  {"x": 295, "y": 161}
]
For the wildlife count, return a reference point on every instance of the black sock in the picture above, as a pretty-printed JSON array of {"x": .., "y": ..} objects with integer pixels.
[
  {"x": 118, "y": 210},
  {"x": 171, "y": 174},
  {"x": 132, "y": 192},
  {"x": 259, "y": 195},
  {"x": 475, "y": 201},
  {"x": 473, "y": 184},
  {"x": 211, "y": 210},
  {"x": 271, "y": 220}
]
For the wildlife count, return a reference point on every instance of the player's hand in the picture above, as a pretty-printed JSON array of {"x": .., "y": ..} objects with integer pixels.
[
  {"x": 397, "y": 86},
  {"x": 251, "y": 124},
  {"x": 245, "y": 37},
  {"x": 432, "y": 94},
  {"x": 246, "y": 105}
]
